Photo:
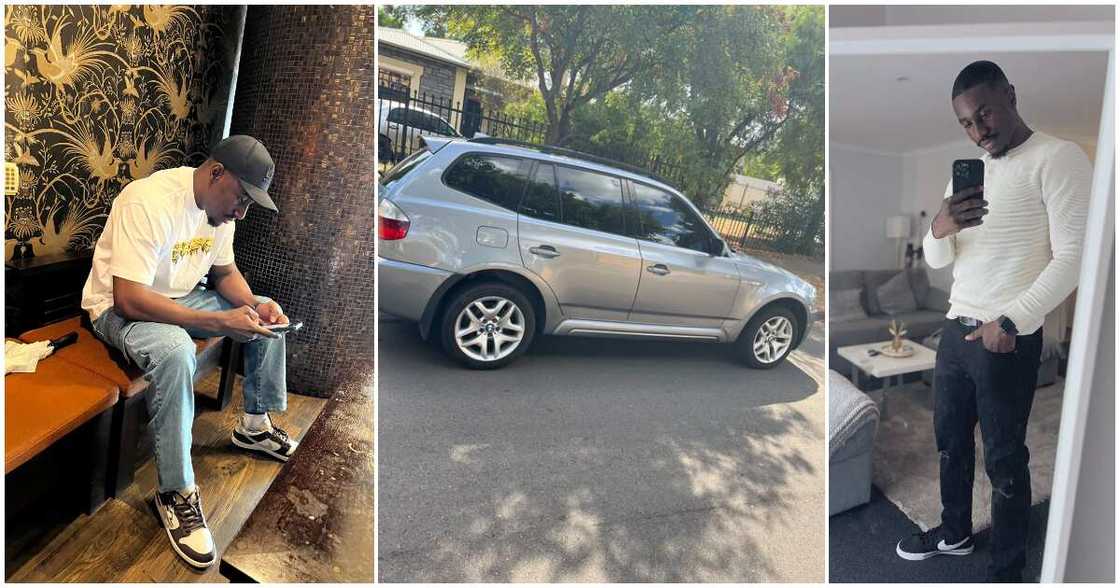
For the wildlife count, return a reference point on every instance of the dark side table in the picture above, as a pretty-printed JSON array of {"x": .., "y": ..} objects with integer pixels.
[{"x": 43, "y": 289}]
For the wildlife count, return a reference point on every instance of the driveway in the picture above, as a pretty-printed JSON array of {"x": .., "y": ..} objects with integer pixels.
[{"x": 598, "y": 460}]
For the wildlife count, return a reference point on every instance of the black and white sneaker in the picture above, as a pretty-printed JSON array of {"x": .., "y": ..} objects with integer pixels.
[
  {"x": 933, "y": 542},
  {"x": 181, "y": 516},
  {"x": 274, "y": 441}
]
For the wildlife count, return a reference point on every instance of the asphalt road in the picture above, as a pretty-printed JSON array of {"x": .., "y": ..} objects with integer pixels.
[{"x": 600, "y": 460}]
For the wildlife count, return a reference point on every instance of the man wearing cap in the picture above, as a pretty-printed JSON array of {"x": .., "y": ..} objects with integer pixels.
[{"x": 163, "y": 235}]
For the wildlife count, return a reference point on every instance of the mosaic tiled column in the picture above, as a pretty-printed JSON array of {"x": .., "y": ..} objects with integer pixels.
[{"x": 305, "y": 89}]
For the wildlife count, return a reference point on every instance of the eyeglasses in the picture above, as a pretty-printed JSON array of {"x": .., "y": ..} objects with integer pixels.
[{"x": 244, "y": 200}]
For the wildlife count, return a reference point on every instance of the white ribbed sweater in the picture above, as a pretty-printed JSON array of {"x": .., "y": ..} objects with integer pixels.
[{"x": 1024, "y": 260}]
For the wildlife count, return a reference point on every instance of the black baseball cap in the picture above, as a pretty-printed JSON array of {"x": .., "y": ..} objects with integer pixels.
[{"x": 247, "y": 158}]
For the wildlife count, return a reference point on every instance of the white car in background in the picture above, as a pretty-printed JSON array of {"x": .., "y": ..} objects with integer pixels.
[{"x": 400, "y": 126}]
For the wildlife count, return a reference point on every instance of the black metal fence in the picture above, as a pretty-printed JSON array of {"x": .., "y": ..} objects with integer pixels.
[
  {"x": 403, "y": 119},
  {"x": 753, "y": 228}
]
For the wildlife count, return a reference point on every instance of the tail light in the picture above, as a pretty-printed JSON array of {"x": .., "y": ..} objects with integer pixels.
[{"x": 392, "y": 222}]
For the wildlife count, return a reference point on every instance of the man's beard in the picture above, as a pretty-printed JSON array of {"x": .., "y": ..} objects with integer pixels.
[{"x": 212, "y": 222}]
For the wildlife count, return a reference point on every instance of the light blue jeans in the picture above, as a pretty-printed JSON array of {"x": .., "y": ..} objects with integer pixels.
[{"x": 166, "y": 353}]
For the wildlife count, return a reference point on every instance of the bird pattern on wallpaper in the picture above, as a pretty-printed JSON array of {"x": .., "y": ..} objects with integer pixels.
[{"x": 98, "y": 96}]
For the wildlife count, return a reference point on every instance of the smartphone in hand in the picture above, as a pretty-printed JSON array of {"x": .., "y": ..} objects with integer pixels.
[
  {"x": 967, "y": 173},
  {"x": 286, "y": 328}
]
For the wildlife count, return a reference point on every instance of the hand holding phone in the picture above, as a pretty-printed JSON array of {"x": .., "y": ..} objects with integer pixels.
[
  {"x": 288, "y": 327},
  {"x": 966, "y": 207}
]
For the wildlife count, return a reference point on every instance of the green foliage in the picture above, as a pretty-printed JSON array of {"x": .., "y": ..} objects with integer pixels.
[
  {"x": 796, "y": 155},
  {"x": 575, "y": 54},
  {"x": 387, "y": 16},
  {"x": 707, "y": 89}
]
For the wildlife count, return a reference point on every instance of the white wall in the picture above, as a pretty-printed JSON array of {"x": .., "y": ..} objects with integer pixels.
[
  {"x": 925, "y": 175},
  {"x": 1092, "y": 540},
  {"x": 866, "y": 188}
]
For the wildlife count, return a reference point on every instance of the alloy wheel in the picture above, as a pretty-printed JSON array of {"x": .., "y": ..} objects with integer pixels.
[
  {"x": 489, "y": 328},
  {"x": 773, "y": 339}
]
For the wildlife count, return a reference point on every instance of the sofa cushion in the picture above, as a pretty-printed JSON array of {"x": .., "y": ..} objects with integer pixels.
[
  {"x": 845, "y": 305},
  {"x": 846, "y": 280},
  {"x": 872, "y": 279},
  {"x": 919, "y": 285},
  {"x": 42, "y": 407},
  {"x": 92, "y": 354},
  {"x": 895, "y": 296},
  {"x": 937, "y": 299}
]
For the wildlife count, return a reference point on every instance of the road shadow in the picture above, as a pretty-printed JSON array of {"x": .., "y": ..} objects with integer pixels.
[{"x": 599, "y": 460}]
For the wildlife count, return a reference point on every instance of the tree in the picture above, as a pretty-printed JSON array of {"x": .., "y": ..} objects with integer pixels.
[
  {"x": 726, "y": 89},
  {"x": 387, "y": 16},
  {"x": 576, "y": 54},
  {"x": 796, "y": 155}
]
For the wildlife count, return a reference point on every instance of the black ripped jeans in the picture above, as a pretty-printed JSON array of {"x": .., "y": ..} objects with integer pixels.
[{"x": 995, "y": 389}]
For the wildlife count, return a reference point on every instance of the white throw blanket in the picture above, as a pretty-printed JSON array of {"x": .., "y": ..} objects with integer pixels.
[{"x": 849, "y": 409}]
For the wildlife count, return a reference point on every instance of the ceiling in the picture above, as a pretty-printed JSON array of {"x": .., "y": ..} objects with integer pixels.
[
  {"x": 869, "y": 108},
  {"x": 878, "y": 16}
]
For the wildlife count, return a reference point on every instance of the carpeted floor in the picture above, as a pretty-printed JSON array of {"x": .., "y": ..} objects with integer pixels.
[
  {"x": 906, "y": 461},
  {"x": 861, "y": 545}
]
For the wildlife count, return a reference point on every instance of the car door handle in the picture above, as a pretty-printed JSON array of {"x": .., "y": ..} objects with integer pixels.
[
  {"x": 659, "y": 269},
  {"x": 545, "y": 251}
]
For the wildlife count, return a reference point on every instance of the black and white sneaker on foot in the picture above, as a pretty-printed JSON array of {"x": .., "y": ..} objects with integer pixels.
[
  {"x": 181, "y": 516},
  {"x": 933, "y": 542},
  {"x": 273, "y": 441}
]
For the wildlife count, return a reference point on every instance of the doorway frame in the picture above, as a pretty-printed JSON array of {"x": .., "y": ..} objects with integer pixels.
[{"x": 1099, "y": 230}]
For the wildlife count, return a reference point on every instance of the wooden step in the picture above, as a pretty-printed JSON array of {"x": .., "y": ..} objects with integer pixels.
[{"x": 124, "y": 542}]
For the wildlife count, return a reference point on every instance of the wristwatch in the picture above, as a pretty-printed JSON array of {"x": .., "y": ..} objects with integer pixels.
[{"x": 1008, "y": 326}]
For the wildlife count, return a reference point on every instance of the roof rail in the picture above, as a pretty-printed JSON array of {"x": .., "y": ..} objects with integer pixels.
[{"x": 551, "y": 150}]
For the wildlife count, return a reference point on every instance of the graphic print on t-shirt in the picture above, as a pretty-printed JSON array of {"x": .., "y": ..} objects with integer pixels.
[{"x": 191, "y": 247}]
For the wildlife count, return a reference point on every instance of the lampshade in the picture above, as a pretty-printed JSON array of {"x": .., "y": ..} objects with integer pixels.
[{"x": 898, "y": 227}]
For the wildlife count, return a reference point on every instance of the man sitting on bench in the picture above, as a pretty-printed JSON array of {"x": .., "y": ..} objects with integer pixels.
[{"x": 163, "y": 235}]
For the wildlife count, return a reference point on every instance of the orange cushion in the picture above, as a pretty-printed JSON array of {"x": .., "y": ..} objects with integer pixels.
[
  {"x": 42, "y": 407},
  {"x": 90, "y": 353}
]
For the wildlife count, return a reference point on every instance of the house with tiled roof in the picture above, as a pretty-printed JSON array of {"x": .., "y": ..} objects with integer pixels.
[{"x": 441, "y": 71}]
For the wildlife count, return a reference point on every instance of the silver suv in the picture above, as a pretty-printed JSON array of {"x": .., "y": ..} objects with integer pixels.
[{"x": 488, "y": 243}]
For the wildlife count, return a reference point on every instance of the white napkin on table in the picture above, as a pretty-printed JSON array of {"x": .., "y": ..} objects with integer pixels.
[{"x": 24, "y": 357}]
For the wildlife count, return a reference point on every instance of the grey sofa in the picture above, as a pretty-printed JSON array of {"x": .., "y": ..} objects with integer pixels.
[
  {"x": 853, "y": 421},
  {"x": 932, "y": 304}
]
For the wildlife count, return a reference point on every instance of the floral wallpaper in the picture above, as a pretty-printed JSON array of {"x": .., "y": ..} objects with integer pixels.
[{"x": 98, "y": 96}]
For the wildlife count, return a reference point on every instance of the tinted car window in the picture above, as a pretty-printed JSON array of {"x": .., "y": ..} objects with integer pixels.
[
  {"x": 541, "y": 198},
  {"x": 666, "y": 219},
  {"x": 429, "y": 123},
  {"x": 401, "y": 170},
  {"x": 492, "y": 178},
  {"x": 590, "y": 200},
  {"x": 396, "y": 115}
]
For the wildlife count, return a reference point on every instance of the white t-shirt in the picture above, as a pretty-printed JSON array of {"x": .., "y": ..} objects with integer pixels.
[
  {"x": 156, "y": 235},
  {"x": 1025, "y": 258}
]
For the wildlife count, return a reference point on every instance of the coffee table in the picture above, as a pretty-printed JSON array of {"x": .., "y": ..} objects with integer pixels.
[{"x": 888, "y": 368}]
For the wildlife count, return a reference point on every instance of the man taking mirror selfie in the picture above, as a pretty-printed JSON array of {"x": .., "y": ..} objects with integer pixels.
[{"x": 1012, "y": 225}]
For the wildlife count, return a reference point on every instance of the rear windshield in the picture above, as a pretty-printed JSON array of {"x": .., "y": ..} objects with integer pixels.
[{"x": 406, "y": 165}]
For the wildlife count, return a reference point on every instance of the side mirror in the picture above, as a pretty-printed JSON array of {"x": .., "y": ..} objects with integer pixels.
[{"x": 715, "y": 247}]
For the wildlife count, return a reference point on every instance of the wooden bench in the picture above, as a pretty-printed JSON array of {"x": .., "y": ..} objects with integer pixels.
[
  {"x": 91, "y": 354},
  {"x": 55, "y": 402}
]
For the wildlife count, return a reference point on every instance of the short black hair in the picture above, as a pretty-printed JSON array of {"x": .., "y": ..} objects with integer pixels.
[{"x": 976, "y": 73}]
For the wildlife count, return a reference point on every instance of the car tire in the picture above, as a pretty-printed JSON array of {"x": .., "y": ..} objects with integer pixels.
[
  {"x": 479, "y": 320},
  {"x": 768, "y": 337},
  {"x": 384, "y": 149}
]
